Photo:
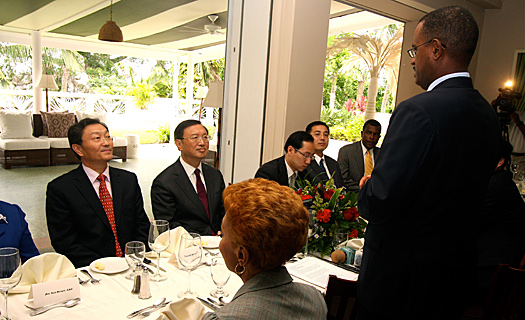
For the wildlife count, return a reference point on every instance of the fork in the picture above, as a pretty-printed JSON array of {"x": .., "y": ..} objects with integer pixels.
[
  {"x": 93, "y": 280},
  {"x": 213, "y": 254},
  {"x": 83, "y": 281}
]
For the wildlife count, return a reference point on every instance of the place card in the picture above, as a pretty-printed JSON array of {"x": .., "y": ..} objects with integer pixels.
[{"x": 51, "y": 292}]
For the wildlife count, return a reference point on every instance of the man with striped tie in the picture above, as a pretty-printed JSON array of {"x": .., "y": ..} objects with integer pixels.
[
  {"x": 93, "y": 210},
  {"x": 357, "y": 159}
]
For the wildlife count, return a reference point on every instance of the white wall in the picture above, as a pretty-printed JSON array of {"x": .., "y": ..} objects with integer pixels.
[{"x": 503, "y": 33}]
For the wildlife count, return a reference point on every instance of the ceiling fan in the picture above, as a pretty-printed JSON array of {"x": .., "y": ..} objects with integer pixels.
[{"x": 212, "y": 28}]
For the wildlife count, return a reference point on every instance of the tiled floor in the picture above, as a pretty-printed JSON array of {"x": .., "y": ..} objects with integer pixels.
[{"x": 26, "y": 186}]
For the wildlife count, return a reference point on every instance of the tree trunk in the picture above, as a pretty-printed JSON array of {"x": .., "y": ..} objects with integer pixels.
[
  {"x": 360, "y": 89},
  {"x": 333, "y": 89},
  {"x": 65, "y": 76},
  {"x": 370, "y": 110},
  {"x": 385, "y": 99}
]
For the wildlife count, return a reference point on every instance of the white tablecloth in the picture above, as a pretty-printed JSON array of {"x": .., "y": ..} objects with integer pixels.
[{"x": 112, "y": 298}]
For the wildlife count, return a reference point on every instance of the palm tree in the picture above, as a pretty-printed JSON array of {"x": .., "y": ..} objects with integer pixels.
[{"x": 378, "y": 50}]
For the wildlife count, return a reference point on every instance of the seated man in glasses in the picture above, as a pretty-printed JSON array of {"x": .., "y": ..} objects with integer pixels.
[
  {"x": 189, "y": 193},
  {"x": 93, "y": 210},
  {"x": 299, "y": 150}
]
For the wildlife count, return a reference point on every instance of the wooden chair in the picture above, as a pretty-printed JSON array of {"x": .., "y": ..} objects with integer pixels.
[
  {"x": 341, "y": 299},
  {"x": 506, "y": 297}
]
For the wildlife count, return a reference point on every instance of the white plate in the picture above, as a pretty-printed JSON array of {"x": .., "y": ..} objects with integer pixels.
[
  {"x": 211, "y": 242},
  {"x": 111, "y": 264}
]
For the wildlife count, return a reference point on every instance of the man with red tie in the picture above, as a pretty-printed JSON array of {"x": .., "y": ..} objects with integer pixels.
[
  {"x": 189, "y": 193},
  {"x": 93, "y": 210}
]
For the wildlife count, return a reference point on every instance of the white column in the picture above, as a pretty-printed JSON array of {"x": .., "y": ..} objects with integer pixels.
[{"x": 36, "y": 45}]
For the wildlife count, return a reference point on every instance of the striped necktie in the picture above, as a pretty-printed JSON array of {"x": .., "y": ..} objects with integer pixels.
[
  {"x": 107, "y": 203},
  {"x": 369, "y": 164}
]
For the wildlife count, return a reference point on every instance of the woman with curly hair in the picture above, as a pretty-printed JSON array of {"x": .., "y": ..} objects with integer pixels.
[{"x": 265, "y": 225}]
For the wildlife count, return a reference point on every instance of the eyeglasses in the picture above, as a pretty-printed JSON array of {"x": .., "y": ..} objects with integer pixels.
[
  {"x": 412, "y": 51},
  {"x": 306, "y": 156},
  {"x": 204, "y": 138},
  {"x": 99, "y": 139}
]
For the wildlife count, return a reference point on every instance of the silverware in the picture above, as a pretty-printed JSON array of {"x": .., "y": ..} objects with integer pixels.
[
  {"x": 93, "y": 280},
  {"x": 208, "y": 304},
  {"x": 215, "y": 302},
  {"x": 155, "y": 304},
  {"x": 151, "y": 263},
  {"x": 145, "y": 314},
  {"x": 68, "y": 304},
  {"x": 224, "y": 301},
  {"x": 211, "y": 253},
  {"x": 82, "y": 281}
]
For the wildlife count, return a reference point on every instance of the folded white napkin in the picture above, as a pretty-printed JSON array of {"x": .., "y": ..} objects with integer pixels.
[
  {"x": 185, "y": 309},
  {"x": 356, "y": 243},
  {"x": 43, "y": 268},
  {"x": 174, "y": 236}
]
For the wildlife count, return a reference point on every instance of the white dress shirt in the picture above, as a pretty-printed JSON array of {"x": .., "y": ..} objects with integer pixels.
[
  {"x": 93, "y": 175},
  {"x": 190, "y": 171},
  {"x": 318, "y": 159}
]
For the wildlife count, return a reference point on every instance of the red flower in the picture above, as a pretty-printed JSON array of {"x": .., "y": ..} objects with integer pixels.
[
  {"x": 351, "y": 214},
  {"x": 328, "y": 194},
  {"x": 324, "y": 215},
  {"x": 299, "y": 191},
  {"x": 341, "y": 197},
  {"x": 306, "y": 197},
  {"x": 354, "y": 234}
]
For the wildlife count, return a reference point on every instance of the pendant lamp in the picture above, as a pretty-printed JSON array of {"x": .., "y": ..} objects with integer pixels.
[{"x": 110, "y": 31}]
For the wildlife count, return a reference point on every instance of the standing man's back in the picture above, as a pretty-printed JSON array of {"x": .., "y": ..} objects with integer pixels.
[{"x": 423, "y": 196}]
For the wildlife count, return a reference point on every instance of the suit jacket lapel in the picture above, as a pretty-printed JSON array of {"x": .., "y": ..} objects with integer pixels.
[
  {"x": 283, "y": 173},
  {"x": 86, "y": 189},
  {"x": 211, "y": 189},
  {"x": 359, "y": 158},
  {"x": 317, "y": 173},
  {"x": 181, "y": 178}
]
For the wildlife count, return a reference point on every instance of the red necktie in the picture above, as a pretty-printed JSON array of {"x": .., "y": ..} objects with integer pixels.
[
  {"x": 202, "y": 192},
  {"x": 107, "y": 203}
]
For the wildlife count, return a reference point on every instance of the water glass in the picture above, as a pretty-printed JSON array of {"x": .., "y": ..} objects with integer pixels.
[
  {"x": 158, "y": 241},
  {"x": 220, "y": 274},
  {"x": 10, "y": 272},
  {"x": 189, "y": 257},
  {"x": 134, "y": 254}
]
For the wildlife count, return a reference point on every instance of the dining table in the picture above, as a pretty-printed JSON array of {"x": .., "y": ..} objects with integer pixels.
[{"x": 112, "y": 297}]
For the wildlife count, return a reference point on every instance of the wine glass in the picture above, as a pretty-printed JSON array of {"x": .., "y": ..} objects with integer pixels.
[
  {"x": 220, "y": 274},
  {"x": 10, "y": 272},
  {"x": 135, "y": 252},
  {"x": 158, "y": 241},
  {"x": 189, "y": 257}
]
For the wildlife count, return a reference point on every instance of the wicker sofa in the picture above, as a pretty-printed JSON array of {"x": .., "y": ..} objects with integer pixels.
[{"x": 42, "y": 150}]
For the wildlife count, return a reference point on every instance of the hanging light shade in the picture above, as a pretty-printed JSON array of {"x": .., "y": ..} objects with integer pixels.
[{"x": 110, "y": 31}]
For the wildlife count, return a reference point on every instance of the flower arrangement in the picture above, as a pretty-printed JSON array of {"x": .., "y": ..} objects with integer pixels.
[{"x": 334, "y": 211}]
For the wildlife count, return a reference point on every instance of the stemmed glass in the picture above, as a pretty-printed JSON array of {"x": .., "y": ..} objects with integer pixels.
[
  {"x": 189, "y": 257},
  {"x": 158, "y": 243},
  {"x": 220, "y": 274},
  {"x": 10, "y": 272},
  {"x": 135, "y": 252}
]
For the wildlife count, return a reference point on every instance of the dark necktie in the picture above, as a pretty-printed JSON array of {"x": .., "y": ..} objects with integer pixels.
[
  {"x": 201, "y": 191},
  {"x": 321, "y": 164},
  {"x": 107, "y": 203}
]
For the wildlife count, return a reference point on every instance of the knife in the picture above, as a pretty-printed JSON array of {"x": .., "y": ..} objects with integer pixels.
[
  {"x": 208, "y": 304},
  {"x": 151, "y": 263}
]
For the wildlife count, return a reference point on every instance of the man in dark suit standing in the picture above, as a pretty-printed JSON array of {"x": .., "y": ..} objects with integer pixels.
[
  {"x": 422, "y": 200},
  {"x": 322, "y": 167},
  {"x": 93, "y": 210},
  {"x": 189, "y": 193},
  {"x": 357, "y": 159},
  {"x": 299, "y": 148}
]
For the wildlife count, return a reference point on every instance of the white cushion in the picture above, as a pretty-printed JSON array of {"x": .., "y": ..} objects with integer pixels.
[
  {"x": 15, "y": 125},
  {"x": 97, "y": 115},
  {"x": 120, "y": 142},
  {"x": 24, "y": 144},
  {"x": 59, "y": 143}
]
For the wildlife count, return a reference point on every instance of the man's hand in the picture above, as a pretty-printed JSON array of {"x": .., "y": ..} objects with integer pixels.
[
  {"x": 515, "y": 117},
  {"x": 364, "y": 180}
]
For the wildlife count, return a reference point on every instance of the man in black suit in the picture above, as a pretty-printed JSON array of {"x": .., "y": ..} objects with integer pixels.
[
  {"x": 189, "y": 193},
  {"x": 422, "y": 200},
  {"x": 352, "y": 157},
  {"x": 322, "y": 167},
  {"x": 93, "y": 210},
  {"x": 299, "y": 148},
  {"x": 501, "y": 237}
]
